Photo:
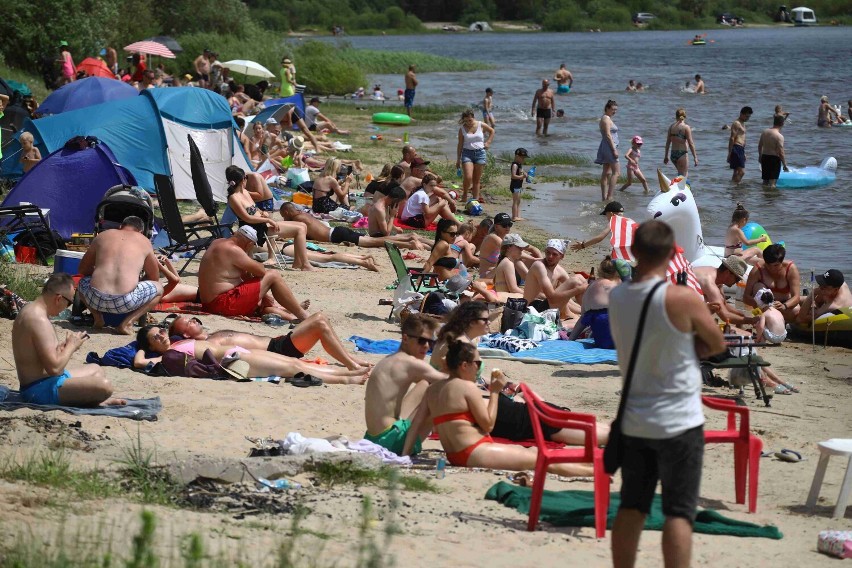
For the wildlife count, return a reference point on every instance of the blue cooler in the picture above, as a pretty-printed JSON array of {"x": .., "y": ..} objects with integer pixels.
[{"x": 67, "y": 261}]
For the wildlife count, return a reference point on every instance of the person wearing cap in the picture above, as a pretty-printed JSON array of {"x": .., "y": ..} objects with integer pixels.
[
  {"x": 202, "y": 68},
  {"x": 231, "y": 283},
  {"x": 507, "y": 280},
  {"x": 612, "y": 208},
  {"x": 632, "y": 156},
  {"x": 69, "y": 70},
  {"x": 516, "y": 182},
  {"x": 831, "y": 294},
  {"x": 317, "y": 121},
  {"x": 414, "y": 179},
  {"x": 731, "y": 271},
  {"x": 679, "y": 140},
  {"x": 779, "y": 276},
  {"x": 288, "y": 78},
  {"x": 548, "y": 285}
]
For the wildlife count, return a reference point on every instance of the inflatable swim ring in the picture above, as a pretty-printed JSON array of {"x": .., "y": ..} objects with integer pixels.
[
  {"x": 754, "y": 231},
  {"x": 834, "y": 328},
  {"x": 810, "y": 176},
  {"x": 391, "y": 118}
]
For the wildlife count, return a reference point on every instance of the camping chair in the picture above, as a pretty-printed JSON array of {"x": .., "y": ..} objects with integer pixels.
[
  {"x": 747, "y": 447},
  {"x": 27, "y": 219},
  {"x": 182, "y": 237},
  {"x": 408, "y": 278},
  {"x": 589, "y": 453},
  {"x": 201, "y": 185},
  {"x": 750, "y": 361}
]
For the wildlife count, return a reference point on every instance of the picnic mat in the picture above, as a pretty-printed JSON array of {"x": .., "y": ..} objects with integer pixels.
[
  {"x": 136, "y": 408},
  {"x": 577, "y": 509}
]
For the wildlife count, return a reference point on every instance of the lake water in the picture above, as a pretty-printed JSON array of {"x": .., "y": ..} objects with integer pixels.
[{"x": 755, "y": 67}]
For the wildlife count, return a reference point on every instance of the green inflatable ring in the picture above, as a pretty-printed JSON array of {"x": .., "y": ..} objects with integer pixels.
[{"x": 391, "y": 118}]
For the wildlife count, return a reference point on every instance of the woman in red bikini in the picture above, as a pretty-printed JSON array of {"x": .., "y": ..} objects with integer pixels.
[
  {"x": 463, "y": 419},
  {"x": 780, "y": 276}
]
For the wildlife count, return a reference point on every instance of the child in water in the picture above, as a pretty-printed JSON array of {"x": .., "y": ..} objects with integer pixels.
[
  {"x": 632, "y": 156},
  {"x": 735, "y": 238},
  {"x": 487, "y": 107}
]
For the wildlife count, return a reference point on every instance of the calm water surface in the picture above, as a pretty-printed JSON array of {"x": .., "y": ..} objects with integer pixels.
[{"x": 755, "y": 67}]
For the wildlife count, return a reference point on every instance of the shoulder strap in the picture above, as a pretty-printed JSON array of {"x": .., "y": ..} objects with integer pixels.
[{"x": 625, "y": 391}]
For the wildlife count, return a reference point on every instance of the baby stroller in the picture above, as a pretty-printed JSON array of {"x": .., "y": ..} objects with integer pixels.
[{"x": 121, "y": 201}]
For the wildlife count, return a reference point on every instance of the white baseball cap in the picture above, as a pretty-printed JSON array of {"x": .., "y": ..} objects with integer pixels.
[{"x": 248, "y": 232}]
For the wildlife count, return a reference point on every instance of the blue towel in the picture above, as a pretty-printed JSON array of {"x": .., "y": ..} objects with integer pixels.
[
  {"x": 137, "y": 409},
  {"x": 377, "y": 346},
  {"x": 121, "y": 357}
]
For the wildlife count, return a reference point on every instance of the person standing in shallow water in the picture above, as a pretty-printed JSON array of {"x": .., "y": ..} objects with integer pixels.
[
  {"x": 542, "y": 108},
  {"x": 678, "y": 143},
  {"x": 608, "y": 151},
  {"x": 411, "y": 83},
  {"x": 736, "y": 145}
]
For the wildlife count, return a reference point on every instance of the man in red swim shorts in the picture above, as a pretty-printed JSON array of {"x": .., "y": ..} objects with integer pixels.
[{"x": 231, "y": 283}]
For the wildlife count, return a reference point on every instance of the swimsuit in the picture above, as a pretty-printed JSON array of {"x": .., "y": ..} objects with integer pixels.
[
  {"x": 187, "y": 347},
  {"x": 781, "y": 294},
  {"x": 342, "y": 234},
  {"x": 770, "y": 167},
  {"x": 102, "y": 302},
  {"x": 737, "y": 158},
  {"x": 631, "y": 167},
  {"x": 283, "y": 345},
  {"x": 515, "y": 185},
  {"x": 563, "y": 89},
  {"x": 394, "y": 438},
  {"x": 460, "y": 458},
  {"x": 44, "y": 391},
  {"x": 677, "y": 155},
  {"x": 605, "y": 151},
  {"x": 598, "y": 320},
  {"x": 408, "y": 98},
  {"x": 545, "y": 113},
  {"x": 241, "y": 300}
]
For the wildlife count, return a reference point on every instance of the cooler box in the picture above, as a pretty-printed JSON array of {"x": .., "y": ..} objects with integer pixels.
[{"x": 67, "y": 261}]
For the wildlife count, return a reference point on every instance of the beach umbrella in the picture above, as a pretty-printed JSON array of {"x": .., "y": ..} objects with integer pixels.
[
  {"x": 168, "y": 41},
  {"x": 85, "y": 92},
  {"x": 249, "y": 68},
  {"x": 150, "y": 48},
  {"x": 94, "y": 67}
]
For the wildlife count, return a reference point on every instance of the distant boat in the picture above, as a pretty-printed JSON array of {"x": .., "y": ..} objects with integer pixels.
[{"x": 698, "y": 42}]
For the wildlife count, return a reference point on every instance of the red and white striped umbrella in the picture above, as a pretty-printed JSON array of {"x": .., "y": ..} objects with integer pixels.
[{"x": 150, "y": 48}]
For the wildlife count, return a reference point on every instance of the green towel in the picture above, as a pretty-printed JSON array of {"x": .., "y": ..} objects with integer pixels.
[{"x": 577, "y": 509}]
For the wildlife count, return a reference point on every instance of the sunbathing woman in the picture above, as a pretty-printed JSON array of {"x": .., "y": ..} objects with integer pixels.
[
  {"x": 445, "y": 235},
  {"x": 261, "y": 363},
  {"x": 464, "y": 420}
]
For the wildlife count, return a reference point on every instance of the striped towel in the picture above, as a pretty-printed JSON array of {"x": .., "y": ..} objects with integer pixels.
[
  {"x": 621, "y": 237},
  {"x": 679, "y": 264}
]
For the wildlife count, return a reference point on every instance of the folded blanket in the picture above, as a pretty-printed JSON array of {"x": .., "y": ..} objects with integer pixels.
[
  {"x": 137, "y": 409},
  {"x": 577, "y": 509}
]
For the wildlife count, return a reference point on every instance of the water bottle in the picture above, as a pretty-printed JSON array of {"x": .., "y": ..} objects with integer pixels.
[
  {"x": 278, "y": 484},
  {"x": 458, "y": 173},
  {"x": 405, "y": 138},
  {"x": 530, "y": 174},
  {"x": 441, "y": 468}
]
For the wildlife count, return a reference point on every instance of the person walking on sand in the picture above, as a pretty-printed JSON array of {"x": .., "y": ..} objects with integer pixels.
[
  {"x": 41, "y": 359},
  {"x": 608, "y": 151},
  {"x": 542, "y": 108},
  {"x": 678, "y": 143},
  {"x": 411, "y": 83},
  {"x": 662, "y": 424},
  {"x": 472, "y": 152},
  {"x": 564, "y": 80},
  {"x": 736, "y": 144},
  {"x": 770, "y": 153}
]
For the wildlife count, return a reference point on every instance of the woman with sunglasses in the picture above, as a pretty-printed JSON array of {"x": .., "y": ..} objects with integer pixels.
[
  {"x": 464, "y": 421},
  {"x": 445, "y": 236}
]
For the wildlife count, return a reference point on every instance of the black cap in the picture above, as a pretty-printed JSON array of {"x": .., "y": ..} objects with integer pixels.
[
  {"x": 314, "y": 100},
  {"x": 521, "y": 152},
  {"x": 503, "y": 219},
  {"x": 833, "y": 278},
  {"x": 613, "y": 207}
]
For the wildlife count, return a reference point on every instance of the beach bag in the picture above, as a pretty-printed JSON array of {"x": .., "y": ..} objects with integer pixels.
[
  {"x": 835, "y": 543},
  {"x": 513, "y": 314},
  {"x": 538, "y": 328},
  {"x": 473, "y": 207},
  {"x": 179, "y": 364},
  {"x": 614, "y": 451}
]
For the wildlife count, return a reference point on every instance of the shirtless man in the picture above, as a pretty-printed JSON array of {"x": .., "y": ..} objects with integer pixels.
[
  {"x": 831, "y": 294},
  {"x": 731, "y": 271},
  {"x": 410, "y": 86},
  {"x": 40, "y": 359},
  {"x": 230, "y": 283},
  {"x": 548, "y": 285},
  {"x": 409, "y": 152},
  {"x": 770, "y": 152},
  {"x": 736, "y": 145},
  {"x": 320, "y": 232},
  {"x": 202, "y": 68},
  {"x": 419, "y": 168},
  {"x": 596, "y": 305},
  {"x": 542, "y": 107},
  {"x": 111, "y": 270},
  {"x": 699, "y": 86},
  {"x": 384, "y": 210},
  {"x": 564, "y": 80},
  {"x": 780, "y": 277},
  {"x": 825, "y": 113},
  {"x": 390, "y": 400},
  {"x": 315, "y": 329}
]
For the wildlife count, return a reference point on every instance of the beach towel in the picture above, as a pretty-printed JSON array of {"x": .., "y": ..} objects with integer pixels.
[
  {"x": 397, "y": 222},
  {"x": 377, "y": 346},
  {"x": 577, "y": 509},
  {"x": 679, "y": 264},
  {"x": 136, "y": 408},
  {"x": 283, "y": 258},
  {"x": 621, "y": 237}
]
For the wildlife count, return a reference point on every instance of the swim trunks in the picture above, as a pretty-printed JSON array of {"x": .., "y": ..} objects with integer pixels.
[
  {"x": 677, "y": 155},
  {"x": 513, "y": 421},
  {"x": 545, "y": 113},
  {"x": 44, "y": 391},
  {"x": 486, "y": 115},
  {"x": 266, "y": 205},
  {"x": 105, "y": 303},
  {"x": 770, "y": 167},
  {"x": 737, "y": 158},
  {"x": 394, "y": 438},
  {"x": 598, "y": 320},
  {"x": 408, "y": 100},
  {"x": 242, "y": 300},
  {"x": 344, "y": 235},
  {"x": 283, "y": 345},
  {"x": 563, "y": 89}
]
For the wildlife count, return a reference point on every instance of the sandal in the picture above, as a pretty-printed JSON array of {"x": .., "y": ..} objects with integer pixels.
[
  {"x": 791, "y": 388},
  {"x": 302, "y": 380},
  {"x": 789, "y": 456},
  {"x": 781, "y": 389}
]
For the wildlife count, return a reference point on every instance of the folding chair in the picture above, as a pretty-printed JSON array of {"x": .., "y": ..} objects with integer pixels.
[
  {"x": 589, "y": 453},
  {"x": 408, "y": 278},
  {"x": 747, "y": 447},
  {"x": 750, "y": 361},
  {"x": 201, "y": 185},
  {"x": 27, "y": 219}
]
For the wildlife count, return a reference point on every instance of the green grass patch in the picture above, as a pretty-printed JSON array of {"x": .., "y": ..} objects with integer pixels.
[
  {"x": 152, "y": 484},
  {"x": 330, "y": 474},
  {"x": 31, "y": 80},
  {"x": 21, "y": 279},
  {"x": 550, "y": 159},
  {"x": 53, "y": 469}
]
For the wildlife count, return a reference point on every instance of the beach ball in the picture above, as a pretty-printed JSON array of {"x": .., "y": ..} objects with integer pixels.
[{"x": 755, "y": 231}]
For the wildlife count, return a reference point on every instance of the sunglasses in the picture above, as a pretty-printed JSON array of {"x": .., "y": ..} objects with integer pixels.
[
  {"x": 425, "y": 341},
  {"x": 64, "y": 297},
  {"x": 452, "y": 233},
  {"x": 478, "y": 362},
  {"x": 485, "y": 319}
]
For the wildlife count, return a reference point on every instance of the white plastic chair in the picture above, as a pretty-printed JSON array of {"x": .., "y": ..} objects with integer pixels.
[{"x": 833, "y": 447}]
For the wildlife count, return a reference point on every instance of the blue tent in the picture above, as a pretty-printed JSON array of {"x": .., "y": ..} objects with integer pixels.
[
  {"x": 275, "y": 107},
  {"x": 85, "y": 93},
  {"x": 148, "y": 135},
  {"x": 71, "y": 182}
]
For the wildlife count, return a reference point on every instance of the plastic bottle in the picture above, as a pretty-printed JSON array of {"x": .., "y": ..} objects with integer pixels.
[
  {"x": 405, "y": 137},
  {"x": 278, "y": 484},
  {"x": 531, "y": 174},
  {"x": 592, "y": 274},
  {"x": 458, "y": 172},
  {"x": 441, "y": 468}
]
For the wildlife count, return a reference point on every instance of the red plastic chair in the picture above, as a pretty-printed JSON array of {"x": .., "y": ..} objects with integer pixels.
[
  {"x": 747, "y": 447},
  {"x": 589, "y": 453}
]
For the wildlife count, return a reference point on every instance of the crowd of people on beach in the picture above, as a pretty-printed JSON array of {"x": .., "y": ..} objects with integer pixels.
[{"x": 660, "y": 331}]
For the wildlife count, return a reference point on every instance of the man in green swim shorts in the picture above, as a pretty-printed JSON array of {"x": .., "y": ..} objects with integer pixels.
[{"x": 390, "y": 401}]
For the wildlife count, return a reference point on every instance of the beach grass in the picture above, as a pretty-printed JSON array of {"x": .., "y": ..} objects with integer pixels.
[
  {"x": 22, "y": 279},
  {"x": 150, "y": 483},
  {"x": 52, "y": 469},
  {"x": 31, "y": 80},
  {"x": 329, "y": 474},
  {"x": 550, "y": 159}
]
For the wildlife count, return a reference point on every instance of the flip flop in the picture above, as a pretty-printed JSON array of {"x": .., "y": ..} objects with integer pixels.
[
  {"x": 781, "y": 389},
  {"x": 302, "y": 380},
  {"x": 789, "y": 456}
]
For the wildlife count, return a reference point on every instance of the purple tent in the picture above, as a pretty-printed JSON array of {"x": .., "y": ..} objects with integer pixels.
[
  {"x": 84, "y": 93},
  {"x": 71, "y": 182}
]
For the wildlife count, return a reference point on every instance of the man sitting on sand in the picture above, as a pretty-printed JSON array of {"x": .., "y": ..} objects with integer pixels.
[
  {"x": 322, "y": 233},
  {"x": 548, "y": 285},
  {"x": 388, "y": 402},
  {"x": 315, "y": 329},
  {"x": 40, "y": 359},
  {"x": 730, "y": 272},
  {"x": 111, "y": 270},
  {"x": 831, "y": 294},
  {"x": 230, "y": 283}
]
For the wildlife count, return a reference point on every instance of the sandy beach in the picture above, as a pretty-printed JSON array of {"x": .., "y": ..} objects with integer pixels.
[{"x": 453, "y": 526}]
